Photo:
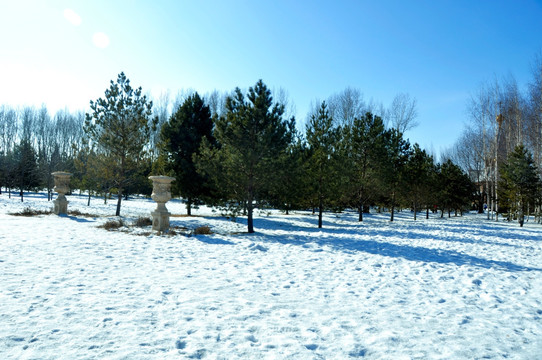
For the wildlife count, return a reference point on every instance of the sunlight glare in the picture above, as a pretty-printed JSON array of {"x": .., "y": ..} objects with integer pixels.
[
  {"x": 72, "y": 17},
  {"x": 101, "y": 40}
]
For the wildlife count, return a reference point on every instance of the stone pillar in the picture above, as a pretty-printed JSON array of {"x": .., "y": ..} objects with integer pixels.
[
  {"x": 62, "y": 186},
  {"x": 161, "y": 193}
]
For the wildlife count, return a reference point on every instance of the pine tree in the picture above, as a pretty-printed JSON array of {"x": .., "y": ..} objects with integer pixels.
[
  {"x": 397, "y": 153},
  {"x": 251, "y": 136},
  {"x": 26, "y": 167},
  {"x": 418, "y": 174},
  {"x": 83, "y": 178},
  {"x": 181, "y": 138},
  {"x": 366, "y": 153},
  {"x": 120, "y": 125},
  {"x": 289, "y": 190},
  {"x": 322, "y": 138},
  {"x": 455, "y": 189},
  {"x": 519, "y": 184}
]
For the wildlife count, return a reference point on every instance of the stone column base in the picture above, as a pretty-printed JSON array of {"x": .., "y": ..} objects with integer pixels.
[
  {"x": 160, "y": 220},
  {"x": 60, "y": 206}
]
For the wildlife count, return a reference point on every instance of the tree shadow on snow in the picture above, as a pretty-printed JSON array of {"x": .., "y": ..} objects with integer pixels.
[
  {"x": 342, "y": 237},
  {"x": 213, "y": 241},
  {"x": 75, "y": 218}
]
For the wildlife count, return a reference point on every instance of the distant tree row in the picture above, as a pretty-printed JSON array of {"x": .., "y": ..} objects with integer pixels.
[
  {"x": 33, "y": 144},
  {"x": 505, "y": 125},
  {"x": 252, "y": 155},
  {"x": 239, "y": 150}
]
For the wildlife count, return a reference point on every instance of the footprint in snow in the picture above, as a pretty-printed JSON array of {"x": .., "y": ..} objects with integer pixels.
[
  {"x": 358, "y": 352},
  {"x": 255, "y": 247},
  {"x": 252, "y": 339},
  {"x": 199, "y": 354}
]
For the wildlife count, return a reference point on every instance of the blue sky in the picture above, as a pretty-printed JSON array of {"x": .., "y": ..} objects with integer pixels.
[{"x": 64, "y": 53}]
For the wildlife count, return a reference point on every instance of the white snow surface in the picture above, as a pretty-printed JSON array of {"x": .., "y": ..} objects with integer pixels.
[{"x": 451, "y": 288}]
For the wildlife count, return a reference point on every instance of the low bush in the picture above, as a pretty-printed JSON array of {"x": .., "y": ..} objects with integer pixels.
[
  {"x": 112, "y": 224},
  {"x": 143, "y": 221},
  {"x": 202, "y": 230},
  {"x": 27, "y": 211},
  {"x": 77, "y": 212}
]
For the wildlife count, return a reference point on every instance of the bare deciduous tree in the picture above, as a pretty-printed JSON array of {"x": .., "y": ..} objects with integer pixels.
[
  {"x": 347, "y": 105},
  {"x": 402, "y": 113}
]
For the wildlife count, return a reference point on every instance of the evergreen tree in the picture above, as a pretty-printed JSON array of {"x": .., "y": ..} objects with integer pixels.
[
  {"x": 366, "y": 153},
  {"x": 10, "y": 171},
  {"x": 397, "y": 153},
  {"x": 120, "y": 125},
  {"x": 322, "y": 138},
  {"x": 519, "y": 184},
  {"x": 289, "y": 191},
  {"x": 139, "y": 178},
  {"x": 84, "y": 176},
  {"x": 250, "y": 138},
  {"x": 418, "y": 174},
  {"x": 456, "y": 190},
  {"x": 26, "y": 167},
  {"x": 181, "y": 138}
]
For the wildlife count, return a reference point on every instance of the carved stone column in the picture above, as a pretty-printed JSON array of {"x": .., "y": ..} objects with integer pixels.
[
  {"x": 161, "y": 193},
  {"x": 62, "y": 186}
]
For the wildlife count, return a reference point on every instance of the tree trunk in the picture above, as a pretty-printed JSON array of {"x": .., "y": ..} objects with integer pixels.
[
  {"x": 249, "y": 208},
  {"x": 481, "y": 203},
  {"x": 392, "y": 206},
  {"x": 250, "y": 220},
  {"x": 49, "y": 189},
  {"x": 415, "y": 210},
  {"x": 119, "y": 201},
  {"x": 88, "y": 202},
  {"x": 121, "y": 182},
  {"x": 320, "y": 210},
  {"x": 360, "y": 217},
  {"x": 320, "y": 198},
  {"x": 189, "y": 207}
]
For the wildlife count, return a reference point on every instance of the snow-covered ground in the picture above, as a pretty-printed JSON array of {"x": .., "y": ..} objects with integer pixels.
[{"x": 459, "y": 288}]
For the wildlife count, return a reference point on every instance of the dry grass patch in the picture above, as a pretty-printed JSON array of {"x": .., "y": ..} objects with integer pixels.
[
  {"x": 27, "y": 211},
  {"x": 203, "y": 230},
  {"x": 76, "y": 212},
  {"x": 143, "y": 221},
  {"x": 112, "y": 225}
]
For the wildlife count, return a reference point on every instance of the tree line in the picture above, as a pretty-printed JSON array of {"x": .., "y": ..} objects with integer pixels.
[
  {"x": 240, "y": 150},
  {"x": 501, "y": 146}
]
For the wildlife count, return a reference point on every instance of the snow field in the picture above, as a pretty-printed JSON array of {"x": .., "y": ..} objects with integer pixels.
[{"x": 460, "y": 288}]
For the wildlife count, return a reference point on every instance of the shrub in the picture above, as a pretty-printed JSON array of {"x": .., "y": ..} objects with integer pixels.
[
  {"x": 143, "y": 221},
  {"x": 27, "y": 211},
  {"x": 76, "y": 212},
  {"x": 202, "y": 230},
  {"x": 112, "y": 224}
]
